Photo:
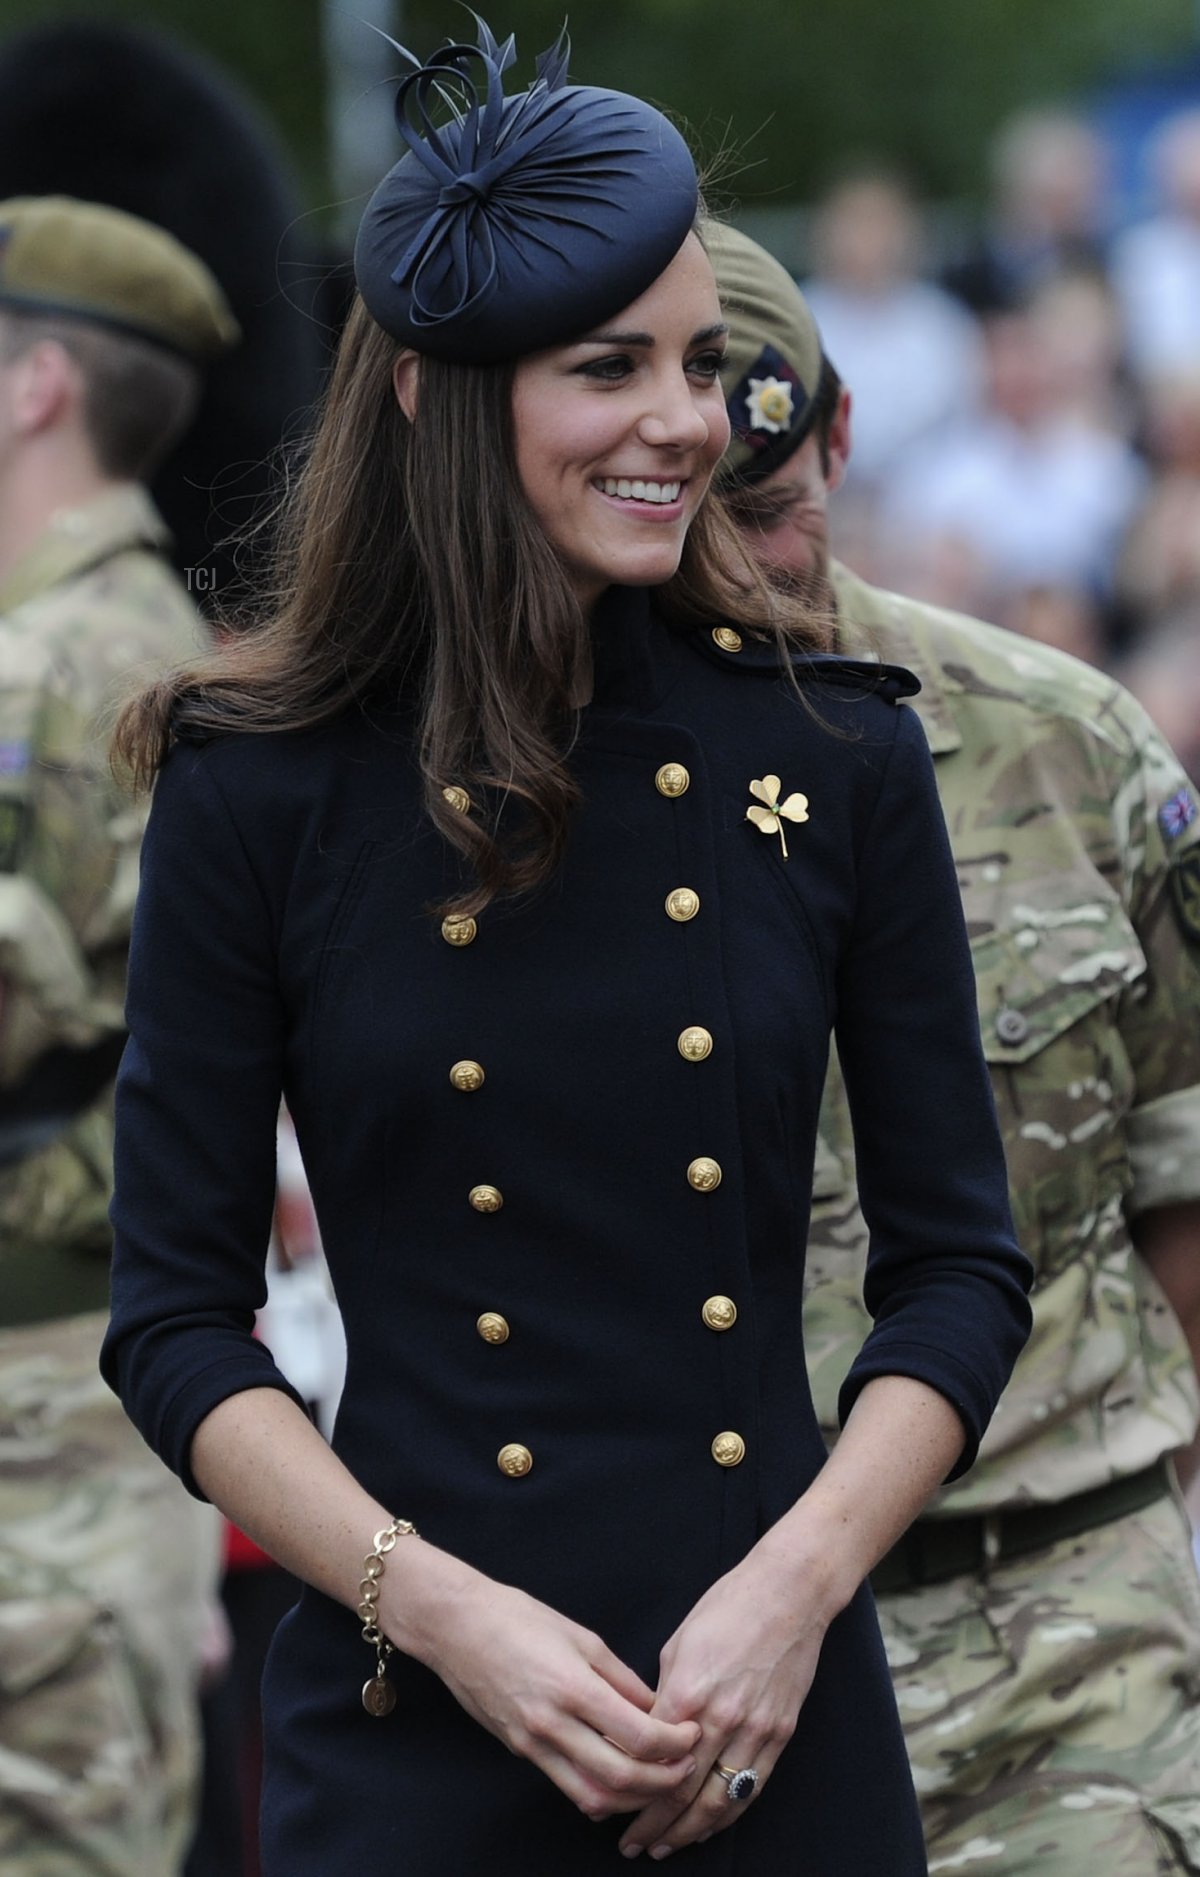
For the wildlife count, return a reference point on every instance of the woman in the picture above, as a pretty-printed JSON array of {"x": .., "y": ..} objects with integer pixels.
[{"x": 539, "y": 901}]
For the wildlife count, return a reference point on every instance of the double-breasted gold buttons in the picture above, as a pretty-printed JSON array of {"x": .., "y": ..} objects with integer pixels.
[
  {"x": 467, "y": 1076},
  {"x": 704, "y": 1174},
  {"x": 729, "y": 1449},
  {"x": 457, "y": 931},
  {"x": 493, "y": 1327},
  {"x": 681, "y": 905},
  {"x": 514, "y": 1460},
  {"x": 486, "y": 1198},
  {"x": 719, "y": 1313},
  {"x": 727, "y": 638},
  {"x": 695, "y": 1043},
  {"x": 672, "y": 780},
  {"x": 457, "y": 798}
]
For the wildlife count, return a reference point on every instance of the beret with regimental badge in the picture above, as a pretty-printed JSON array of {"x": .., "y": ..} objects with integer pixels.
[
  {"x": 773, "y": 362},
  {"x": 64, "y": 257},
  {"x": 515, "y": 223}
]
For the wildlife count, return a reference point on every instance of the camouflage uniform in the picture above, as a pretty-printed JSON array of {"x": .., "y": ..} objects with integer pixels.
[
  {"x": 1051, "y": 1702},
  {"x": 105, "y": 1562}
]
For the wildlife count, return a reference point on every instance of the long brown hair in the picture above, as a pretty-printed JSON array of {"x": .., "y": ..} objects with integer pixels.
[{"x": 409, "y": 562}]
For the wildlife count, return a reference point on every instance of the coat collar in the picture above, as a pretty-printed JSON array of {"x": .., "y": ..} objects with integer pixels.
[{"x": 635, "y": 655}]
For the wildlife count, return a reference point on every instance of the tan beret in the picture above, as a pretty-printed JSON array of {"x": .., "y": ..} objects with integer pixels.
[
  {"x": 91, "y": 262},
  {"x": 773, "y": 365}
]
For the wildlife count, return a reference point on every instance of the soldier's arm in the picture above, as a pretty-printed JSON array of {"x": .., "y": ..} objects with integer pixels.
[
  {"x": 1169, "y": 1240},
  {"x": 1159, "y": 1021},
  {"x": 61, "y": 973},
  {"x": 58, "y": 862}
]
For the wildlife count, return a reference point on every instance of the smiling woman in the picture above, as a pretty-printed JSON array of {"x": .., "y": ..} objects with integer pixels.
[
  {"x": 461, "y": 850},
  {"x": 618, "y": 433}
]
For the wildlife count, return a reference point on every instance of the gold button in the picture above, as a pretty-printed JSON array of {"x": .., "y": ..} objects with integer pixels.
[
  {"x": 728, "y": 1449},
  {"x": 682, "y": 904},
  {"x": 492, "y": 1327},
  {"x": 486, "y": 1198},
  {"x": 704, "y": 1174},
  {"x": 458, "y": 798},
  {"x": 459, "y": 931},
  {"x": 672, "y": 779},
  {"x": 516, "y": 1460},
  {"x": 695, "y": 1044},
  {"x": 468, "y": 1076},
  {"x": 719, "y": 1313},
  {"x": 727, "y": 638}
]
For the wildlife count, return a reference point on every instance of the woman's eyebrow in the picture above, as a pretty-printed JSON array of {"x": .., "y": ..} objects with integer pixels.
[
  {"x": 618, "y": 338},
  {"x": 646, "y": 339}
]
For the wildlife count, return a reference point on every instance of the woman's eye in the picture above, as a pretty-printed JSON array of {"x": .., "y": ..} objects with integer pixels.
[
  {"x": 611, "y": 369},
  {"x": 707, "y": 364}
]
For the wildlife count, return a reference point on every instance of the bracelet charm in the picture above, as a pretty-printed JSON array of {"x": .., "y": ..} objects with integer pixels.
[{"x": 379, "y": 1695}]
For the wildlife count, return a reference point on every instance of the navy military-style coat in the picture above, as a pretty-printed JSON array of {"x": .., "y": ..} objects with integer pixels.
[{"x": 562, "y": 1161}]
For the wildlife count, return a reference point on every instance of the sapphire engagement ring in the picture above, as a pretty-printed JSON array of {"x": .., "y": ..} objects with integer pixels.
[{"x": 739, "y": 1785}]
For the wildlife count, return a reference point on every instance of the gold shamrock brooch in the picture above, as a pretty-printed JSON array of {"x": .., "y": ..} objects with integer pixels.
[{"x": 770, "y": 820}]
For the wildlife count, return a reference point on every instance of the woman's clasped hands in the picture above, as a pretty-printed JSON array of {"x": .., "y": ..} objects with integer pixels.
[{"x": 733, "y": 1679}]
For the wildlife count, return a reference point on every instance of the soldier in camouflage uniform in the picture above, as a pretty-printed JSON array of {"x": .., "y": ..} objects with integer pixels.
[
  {"x": 106, "y": 1565},
  {"x": 1043, "y": 1619}
]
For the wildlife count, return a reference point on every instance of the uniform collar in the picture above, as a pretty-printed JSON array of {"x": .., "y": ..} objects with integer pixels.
[
  {"x": 864, "y": 613},
  {"x": 75, "y": 539}
]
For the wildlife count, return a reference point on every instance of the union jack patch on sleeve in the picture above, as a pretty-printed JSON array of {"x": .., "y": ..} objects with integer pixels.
[{"x": 1177, "y": 814}]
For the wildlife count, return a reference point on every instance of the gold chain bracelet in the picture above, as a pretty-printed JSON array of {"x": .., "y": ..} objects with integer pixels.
[{"x": 378, "y": 1695}]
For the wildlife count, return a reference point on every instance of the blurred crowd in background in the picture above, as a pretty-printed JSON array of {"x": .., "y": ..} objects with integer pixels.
[{"x": 1027, "y": 417}]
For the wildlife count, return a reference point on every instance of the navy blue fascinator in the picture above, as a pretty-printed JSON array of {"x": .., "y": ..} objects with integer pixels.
[{"x": 515, "y": 223}]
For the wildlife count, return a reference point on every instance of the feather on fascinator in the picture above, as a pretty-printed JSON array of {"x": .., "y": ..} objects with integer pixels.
[{"x": 517, "y": 222}]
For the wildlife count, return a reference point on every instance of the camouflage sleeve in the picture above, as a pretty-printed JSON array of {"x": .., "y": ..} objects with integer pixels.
[
  {"x": 64, "y": 877},
  {"x": 1159, "y": 1018}
]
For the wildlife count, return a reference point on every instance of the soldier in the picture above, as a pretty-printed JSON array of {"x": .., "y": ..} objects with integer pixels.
[
  {"x": 105, "y": 1563},
  {"x": 1043, "y": 1620}
]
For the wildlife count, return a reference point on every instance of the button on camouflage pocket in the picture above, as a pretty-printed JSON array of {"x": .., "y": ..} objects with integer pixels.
[
  {"x": 1047, "y": 972},
  {"x": 1049, "y": 987}
]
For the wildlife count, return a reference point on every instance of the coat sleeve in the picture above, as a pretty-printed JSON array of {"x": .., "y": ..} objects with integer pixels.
[
  {"x": 197, "y": 1100},
  {"x": 946, "y": 1281}
]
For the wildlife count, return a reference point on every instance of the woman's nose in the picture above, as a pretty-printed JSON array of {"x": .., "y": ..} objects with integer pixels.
[{"x": 673, "y": 419}]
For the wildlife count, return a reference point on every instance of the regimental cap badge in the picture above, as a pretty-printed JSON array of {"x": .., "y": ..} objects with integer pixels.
[
  {"x": 767, "y": 402},
  {"x": 771, "y": 403}
]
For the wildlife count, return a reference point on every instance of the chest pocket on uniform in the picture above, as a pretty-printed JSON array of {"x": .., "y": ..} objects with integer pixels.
[{"x": 1049, "y": 990}]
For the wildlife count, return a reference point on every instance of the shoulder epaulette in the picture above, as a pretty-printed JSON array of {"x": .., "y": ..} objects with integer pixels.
[
  {"x": 890, "y": 682},
  {"x": 739, "y": 651}
]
